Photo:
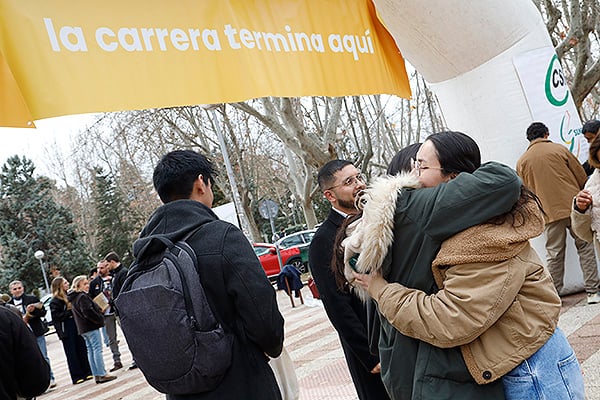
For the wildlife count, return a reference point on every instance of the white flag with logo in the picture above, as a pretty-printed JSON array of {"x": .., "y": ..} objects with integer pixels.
[{"x": 549, "y": 98}]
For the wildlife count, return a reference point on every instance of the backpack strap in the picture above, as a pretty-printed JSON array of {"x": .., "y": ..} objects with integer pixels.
[
  {"x": 154, "y": 247},
  {"x": 187, "y": 298},
  {"x": 182, "y": 245}
]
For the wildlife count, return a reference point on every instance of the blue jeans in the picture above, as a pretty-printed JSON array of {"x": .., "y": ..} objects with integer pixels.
[
  {"x": 41, "y": 342},
  {"x": 551, "y": 373},
  {"x": 93, "y": 342}
]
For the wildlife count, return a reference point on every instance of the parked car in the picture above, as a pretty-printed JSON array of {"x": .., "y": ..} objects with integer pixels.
[
  {"x": 46, "y": 302},
  {"x": 267, "y": 254},
  {"x": 300, "y": 240}
]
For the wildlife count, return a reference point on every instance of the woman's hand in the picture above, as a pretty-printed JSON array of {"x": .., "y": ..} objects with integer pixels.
[
  {"x": 366, "y": 280},
  {"x": 363, "y": 280},
  {"x": 376, "y": 369},
  {"x": 583, "y": 200}
]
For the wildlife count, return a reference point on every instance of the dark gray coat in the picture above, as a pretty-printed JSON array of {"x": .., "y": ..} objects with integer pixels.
[{"x": 237, "y": 290}]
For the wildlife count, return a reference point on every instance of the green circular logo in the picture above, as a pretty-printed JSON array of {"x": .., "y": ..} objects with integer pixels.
[{"x": 556, "y": 88}]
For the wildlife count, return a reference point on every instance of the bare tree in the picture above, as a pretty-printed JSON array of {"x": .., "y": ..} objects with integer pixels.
[{"x": 308, "y": 134}]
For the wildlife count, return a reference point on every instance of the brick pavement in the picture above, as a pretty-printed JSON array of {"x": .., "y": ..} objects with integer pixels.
[{"x": 315, "y": 349}]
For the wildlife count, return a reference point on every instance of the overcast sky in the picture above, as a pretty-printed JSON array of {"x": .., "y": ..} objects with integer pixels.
[{"x": 33, "y": 143}]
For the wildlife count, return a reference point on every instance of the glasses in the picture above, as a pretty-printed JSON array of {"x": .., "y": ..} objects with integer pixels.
[
  {"x": 351, "y": 181},
  {"x": 416, "y": 165}
]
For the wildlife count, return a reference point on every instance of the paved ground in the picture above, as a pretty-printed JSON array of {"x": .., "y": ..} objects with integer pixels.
[{"x": 315, "y": 349}]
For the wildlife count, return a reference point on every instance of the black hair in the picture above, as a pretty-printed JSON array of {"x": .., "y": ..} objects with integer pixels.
[
  {"x": 592, "y": 126},
  {"x": 176, "y": 172},
  {"x": 112, "y": 256},
  {"x": 593, "y": 152},
  {"x": 337, "y": 258},
  {"x": 456, "y": 152},
  {"x": 402, "y": 160},
  {"x": 519, "y": 211},
  {"x": 325, "y": 176},
  {"x": 536, "y": 130}
]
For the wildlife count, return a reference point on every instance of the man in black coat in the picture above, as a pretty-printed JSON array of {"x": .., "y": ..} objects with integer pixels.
[
  {"x": 23, "y": 370},
  {"x": 341, "y": 183},
  {"x": 237, "y": 289},
  {"x": 33, "y": 312},
  {"x": 118, "y": 273},
  {"x": 103, "y": 283}
]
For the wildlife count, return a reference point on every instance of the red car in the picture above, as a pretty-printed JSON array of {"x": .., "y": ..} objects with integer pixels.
[{"x": 267, "y": 254}]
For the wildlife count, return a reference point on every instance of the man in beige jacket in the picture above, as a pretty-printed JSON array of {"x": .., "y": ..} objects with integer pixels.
[{"x": 556, "y": 176}]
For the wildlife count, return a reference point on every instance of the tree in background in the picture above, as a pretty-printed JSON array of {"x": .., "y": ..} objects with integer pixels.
[
  {"x": 31, "y": 220},
  {"x": 115, "y": 226}
]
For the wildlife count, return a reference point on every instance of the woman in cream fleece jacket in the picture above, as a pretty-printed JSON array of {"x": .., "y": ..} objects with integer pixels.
[{"x": 585, "y": 216}]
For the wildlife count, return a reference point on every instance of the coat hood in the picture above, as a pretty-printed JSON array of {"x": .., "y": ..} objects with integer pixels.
[
  {"x": 371, "y": 236},
  {"x": 491, "y": 243},
  {"x": 72, "y": 295},
  {"x": 172, "y": 221}
]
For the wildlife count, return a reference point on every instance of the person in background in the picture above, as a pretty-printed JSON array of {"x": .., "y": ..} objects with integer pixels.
[
  {"x": 73, "y": 344},
  {"x": 4, "y": 302},
  {"x": 341, "y": 183},
  {"x": 585, "y": 215},
  {"x": 118, "y": 273},
  {"x": 89, "y": 320},
  {"x": 54, "y": 272},
  {"x": 103, "y": 284},
  {"x": 33, "y": 312},
  {"x": 556, "y": 176},
  {"x": 24, "y": 372},
  {"x": 93, "y": 273},
  {"x": 590, "y": 130}
]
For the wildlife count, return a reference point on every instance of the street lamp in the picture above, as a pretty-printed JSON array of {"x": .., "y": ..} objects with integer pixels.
[{"x": 39, "y": 255}]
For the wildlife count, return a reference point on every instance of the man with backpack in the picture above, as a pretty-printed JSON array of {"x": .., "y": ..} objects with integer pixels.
[{"x": 247, "y": 325}]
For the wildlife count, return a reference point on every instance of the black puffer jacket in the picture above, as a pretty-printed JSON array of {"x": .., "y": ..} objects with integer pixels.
[
  {"x": 237, "y": 290},
  {"x": 87, "y": 314}
]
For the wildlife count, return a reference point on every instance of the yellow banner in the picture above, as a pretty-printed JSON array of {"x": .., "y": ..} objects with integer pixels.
[{"x": 61, "y": 57}]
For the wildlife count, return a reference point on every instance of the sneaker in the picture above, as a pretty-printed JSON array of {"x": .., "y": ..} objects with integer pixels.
[
  {"x": 52, "y": 383},
  {"x": 133, "y": 366},
  {"x": 105, "y": 378},
  {"x": 78, "y": 381},
  {"x": 87, "y": 378},
  {"x": 117, "y": 366},
  {"x": 593, "y": 298}
]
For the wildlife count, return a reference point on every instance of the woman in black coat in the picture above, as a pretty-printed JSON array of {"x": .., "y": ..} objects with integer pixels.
[
  {"x": 89, "y": 320},
  {"x": 73, "y": 344}
]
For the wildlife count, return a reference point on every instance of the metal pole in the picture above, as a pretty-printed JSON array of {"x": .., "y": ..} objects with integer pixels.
[
  {"x": 45, "y": 278},
  {"x": 236, "y": 195}
]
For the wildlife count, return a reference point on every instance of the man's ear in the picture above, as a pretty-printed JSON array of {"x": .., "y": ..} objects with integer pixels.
[
  {"x": 199, "y": 188},
  {"x": 330, "y": 196},
  {"x": 201, "y": 184}
]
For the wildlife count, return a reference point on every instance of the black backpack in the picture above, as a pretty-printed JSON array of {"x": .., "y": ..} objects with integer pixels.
[{"x": 170, "y": 329}]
